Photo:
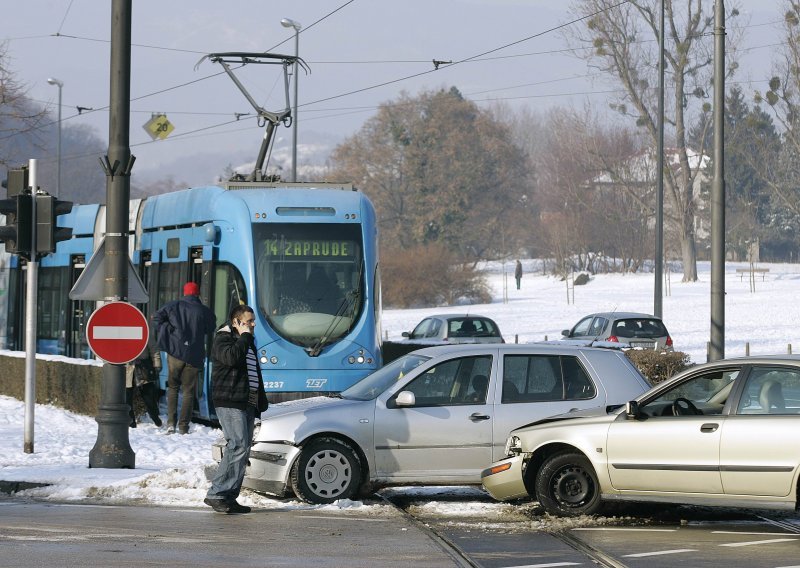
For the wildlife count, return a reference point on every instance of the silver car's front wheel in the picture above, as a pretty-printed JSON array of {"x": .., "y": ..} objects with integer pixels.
[{"x": 327, "y": 470}]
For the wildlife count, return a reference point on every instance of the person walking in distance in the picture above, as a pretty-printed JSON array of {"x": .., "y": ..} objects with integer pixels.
[
  {"x": 238, "y": 394},
  {"x": 183, "y": 327},
  {"x": 518, "y": 273}
]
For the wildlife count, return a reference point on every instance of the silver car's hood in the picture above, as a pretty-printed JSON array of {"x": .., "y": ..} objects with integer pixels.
[
  {"x": 575, "y": 414},
  {"x": 293, "y": 421}
]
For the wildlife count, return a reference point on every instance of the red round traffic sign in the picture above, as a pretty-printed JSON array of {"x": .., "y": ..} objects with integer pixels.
[{"x": 117, "y": 332}]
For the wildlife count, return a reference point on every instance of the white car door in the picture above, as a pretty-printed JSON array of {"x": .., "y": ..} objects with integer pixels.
[{"x": 447, "y": 435}]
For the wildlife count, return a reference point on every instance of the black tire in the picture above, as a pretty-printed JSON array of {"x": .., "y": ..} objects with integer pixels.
[
  {"x": 567, "y": 486},
  {"x": 327, "y": 470}
]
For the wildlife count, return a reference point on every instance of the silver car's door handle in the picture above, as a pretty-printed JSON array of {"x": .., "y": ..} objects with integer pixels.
[
  {"x": 709, "y": 427},
  {"x": 477, "y": 417}
]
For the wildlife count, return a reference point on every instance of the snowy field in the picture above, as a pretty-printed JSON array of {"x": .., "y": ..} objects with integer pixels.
[
  {"x": 170, "y": 470},
  {"x": 764, "y": 318}
]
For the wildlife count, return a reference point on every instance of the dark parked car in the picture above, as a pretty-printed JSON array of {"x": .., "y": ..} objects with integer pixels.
[{"x": 623, "y": 329}]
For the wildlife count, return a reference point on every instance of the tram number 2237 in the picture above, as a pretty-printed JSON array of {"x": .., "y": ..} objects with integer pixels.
[
  {"x": 315, "y": 383},
  {"x": 273, "y": 384}
]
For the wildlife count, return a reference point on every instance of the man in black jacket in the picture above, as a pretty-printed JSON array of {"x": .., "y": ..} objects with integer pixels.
[
  {"x": 238, "y": 395},
  {"x": 183, "y": 326}
]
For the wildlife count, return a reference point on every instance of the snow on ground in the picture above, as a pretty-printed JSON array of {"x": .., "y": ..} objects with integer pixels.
[{"x": 170, "y": 469}]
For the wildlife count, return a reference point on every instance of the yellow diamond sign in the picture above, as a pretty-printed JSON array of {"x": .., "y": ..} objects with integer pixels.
[{"x": 158, "y": 126}]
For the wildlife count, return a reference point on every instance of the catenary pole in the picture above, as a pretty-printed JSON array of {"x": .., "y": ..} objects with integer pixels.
[
  {"x": 658, "y": 292},
  {"x": 113, "y": 449},
  {"x": 717, "y": 344}
]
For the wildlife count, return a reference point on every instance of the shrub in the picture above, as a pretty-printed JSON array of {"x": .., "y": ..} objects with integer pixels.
[
  {"x": 429, "y": 275},
  {"x": 658, "y": 366}
]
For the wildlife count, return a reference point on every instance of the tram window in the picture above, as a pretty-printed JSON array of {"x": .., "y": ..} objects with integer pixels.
[
  {"x": 51, "y": 314},
  {"x": 173, "y": 248},
  {"x": 229, "y": 290},
  {"x": 170, "y": 286}
]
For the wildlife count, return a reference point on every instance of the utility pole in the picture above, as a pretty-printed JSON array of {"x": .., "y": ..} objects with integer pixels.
[
  {"x": 658, "y": 291},
  {"x": 717, "y": 344},
  {"x": 113, "y": 449}
]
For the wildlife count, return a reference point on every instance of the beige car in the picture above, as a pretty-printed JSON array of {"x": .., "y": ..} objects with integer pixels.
[{"x": 722, "y": 433}]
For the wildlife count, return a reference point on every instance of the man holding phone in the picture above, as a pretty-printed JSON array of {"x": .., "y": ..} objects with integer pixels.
[{"x": 238, "y": 395}]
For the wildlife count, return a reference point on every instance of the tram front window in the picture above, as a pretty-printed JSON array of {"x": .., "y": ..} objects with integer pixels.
[{"x": 309, "y": 279}]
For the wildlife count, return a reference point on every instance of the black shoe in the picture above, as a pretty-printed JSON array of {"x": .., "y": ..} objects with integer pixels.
[
  {"x": 219, "y": 505},
  {"x": 184, "y": 430},
  {"x": 157, "y": 422},
  {"x": 132, "y": 425},
  {"x": 235, "y": 508}
]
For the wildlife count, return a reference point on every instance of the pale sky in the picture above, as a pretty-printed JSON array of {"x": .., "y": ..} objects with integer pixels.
[{"x": 361, "y": 53}]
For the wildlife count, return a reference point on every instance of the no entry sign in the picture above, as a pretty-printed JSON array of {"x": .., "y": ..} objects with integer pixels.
[{"x": 117, "y": 332}]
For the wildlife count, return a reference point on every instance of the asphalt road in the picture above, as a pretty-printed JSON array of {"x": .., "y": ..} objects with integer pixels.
[{"x": 412, "y": 535}]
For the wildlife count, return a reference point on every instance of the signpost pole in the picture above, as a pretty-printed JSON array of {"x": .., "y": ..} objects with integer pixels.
[
  {"x": 32, "y": 282},
  {"x": 113, "y": 449}
]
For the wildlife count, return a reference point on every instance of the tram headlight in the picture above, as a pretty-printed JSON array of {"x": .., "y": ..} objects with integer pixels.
[
  {"x": 263, "y": 360},
  {"x": 360, "y": 358},
  {"x": 273, "y": 360},
  {"x": 351, "y": 359}
]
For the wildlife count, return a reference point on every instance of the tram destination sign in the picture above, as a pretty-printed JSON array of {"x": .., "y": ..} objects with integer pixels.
[{"x": 117, "y": 332}]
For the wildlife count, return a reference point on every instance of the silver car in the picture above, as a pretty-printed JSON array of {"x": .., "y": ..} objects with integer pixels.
[
  {"x": 435, "y": 416},
  {"x": 454, "y": 328},
  {"x": 722, "y": 433},
  {"x": 621, "y": 330}
]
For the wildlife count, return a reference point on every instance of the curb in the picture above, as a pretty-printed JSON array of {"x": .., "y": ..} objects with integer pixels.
[{"x": 15, "y": 486}]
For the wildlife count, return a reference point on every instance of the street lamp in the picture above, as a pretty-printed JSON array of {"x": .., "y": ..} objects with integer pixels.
[
  {"x": 60, "y": 85},
  {"x": 287, "y": 23}
]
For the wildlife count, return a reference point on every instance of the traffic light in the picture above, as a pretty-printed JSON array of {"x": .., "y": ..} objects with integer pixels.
[
  {"x": 48, "y": 233},
  {"x": 16, "y": 233}
]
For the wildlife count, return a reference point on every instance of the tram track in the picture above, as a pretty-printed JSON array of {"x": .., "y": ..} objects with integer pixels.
[{"x": 463, "y": 558}]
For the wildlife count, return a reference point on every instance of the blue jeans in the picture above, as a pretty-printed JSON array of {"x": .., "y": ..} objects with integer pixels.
[{"x": 237, "y": 427}]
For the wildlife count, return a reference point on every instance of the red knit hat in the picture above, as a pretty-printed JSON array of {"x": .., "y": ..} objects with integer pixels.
[{"x": 191, "y": 289}]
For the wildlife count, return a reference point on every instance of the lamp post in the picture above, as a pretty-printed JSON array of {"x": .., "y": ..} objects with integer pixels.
[
  {"x": 60, "y": 85},
  {"x": 287, "y": 23}
]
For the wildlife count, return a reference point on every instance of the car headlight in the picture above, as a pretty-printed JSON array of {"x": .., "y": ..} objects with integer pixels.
[
  {"x": 513, "y": 446},
  {"x": 256, "y": 429}
]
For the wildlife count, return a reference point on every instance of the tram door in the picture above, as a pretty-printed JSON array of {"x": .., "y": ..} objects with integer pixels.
[
  {"x": 76, "y": 345},
  {"x": 197, "y": 272}
]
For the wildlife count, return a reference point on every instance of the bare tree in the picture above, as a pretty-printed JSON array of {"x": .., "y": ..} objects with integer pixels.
[
  {"x": 18, "y": 115},
  {"x": 621, "y": 39},
  {"x": 783, "y": 96}
]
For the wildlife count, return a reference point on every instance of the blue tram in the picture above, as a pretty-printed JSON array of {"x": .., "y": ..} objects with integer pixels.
[{"x": 304, "y": 256}]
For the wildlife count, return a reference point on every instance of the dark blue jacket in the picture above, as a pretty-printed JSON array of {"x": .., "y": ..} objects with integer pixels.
[{"x": 183, "y": 327}]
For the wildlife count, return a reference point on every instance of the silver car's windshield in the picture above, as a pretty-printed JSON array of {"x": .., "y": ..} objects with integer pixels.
[{"x": 372, "y": 385}]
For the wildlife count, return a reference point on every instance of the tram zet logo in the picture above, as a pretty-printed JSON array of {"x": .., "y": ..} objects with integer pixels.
[{"x": 158, "y": 127}]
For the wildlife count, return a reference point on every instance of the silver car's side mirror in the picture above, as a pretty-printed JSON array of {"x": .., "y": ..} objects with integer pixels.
[
  {"x": 565, "y": 333},
  {"x": 632, "y": 409},
  {"x": 405, "y": 398},
  {"x": 406, "y": 334}
]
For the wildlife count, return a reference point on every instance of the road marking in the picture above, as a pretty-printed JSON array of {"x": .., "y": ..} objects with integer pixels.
[
  {"x": 117, "y": 332},
  {"x": 346, "y": 518},
  {"x": 660, "y": 552},
  {"x": 622, "y": 529},
  {"x": 754, "y": 533},
  {"x": 550, "y": 565},
  {"x": 755, "y": 542}
]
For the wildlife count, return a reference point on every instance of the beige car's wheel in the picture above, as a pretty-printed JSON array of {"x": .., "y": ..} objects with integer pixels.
[{"x": 567, "y": 486}]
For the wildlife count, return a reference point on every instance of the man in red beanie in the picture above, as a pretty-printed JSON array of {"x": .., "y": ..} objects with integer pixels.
[{"x": 183, "y": 327}]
